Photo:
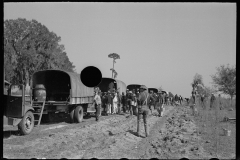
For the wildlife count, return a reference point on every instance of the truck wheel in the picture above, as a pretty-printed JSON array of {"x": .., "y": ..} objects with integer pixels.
[
  {"x": 71, "y": 114},
  {"x": 78, "y": 113},
  {"x": 27, "y": 123}
]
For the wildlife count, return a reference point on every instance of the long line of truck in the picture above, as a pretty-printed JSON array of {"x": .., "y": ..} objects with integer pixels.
[{"x": 53, "y": 92}]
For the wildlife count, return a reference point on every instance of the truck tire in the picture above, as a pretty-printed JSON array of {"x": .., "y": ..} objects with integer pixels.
[
  {"x": 78, "y": 114},
  {"x": 27, "y": 123},
  {"x": 71, "y": 114}
]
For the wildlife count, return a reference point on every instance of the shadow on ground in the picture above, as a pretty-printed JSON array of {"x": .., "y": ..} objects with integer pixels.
[
  {"x": 135, "y": 133},
  {"x": 9, "y": 133}
]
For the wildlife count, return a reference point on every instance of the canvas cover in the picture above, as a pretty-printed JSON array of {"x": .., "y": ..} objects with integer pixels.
[{"x": 78, "y": 89}]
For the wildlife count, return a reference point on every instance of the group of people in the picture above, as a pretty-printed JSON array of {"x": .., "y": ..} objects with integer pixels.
[
  {"x": 136, "y": 102},
  {"x": 113, "y": 102}
]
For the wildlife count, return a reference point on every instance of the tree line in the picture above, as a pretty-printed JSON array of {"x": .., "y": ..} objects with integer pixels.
[
  {"x": 224, "y": 81},
  {"x": 29, "y": 46}
]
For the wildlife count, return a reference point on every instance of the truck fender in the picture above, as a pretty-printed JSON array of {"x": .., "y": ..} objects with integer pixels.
[{"x": 28, "y": 108}]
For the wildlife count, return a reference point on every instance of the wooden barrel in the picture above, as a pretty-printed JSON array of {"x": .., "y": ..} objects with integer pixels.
[{"x": 39, "y": 92}]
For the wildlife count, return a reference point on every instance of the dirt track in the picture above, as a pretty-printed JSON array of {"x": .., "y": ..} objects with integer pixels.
[{"x": 172, "y": 136}]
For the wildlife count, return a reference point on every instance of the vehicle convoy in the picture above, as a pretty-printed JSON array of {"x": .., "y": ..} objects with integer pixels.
[{"x": 52, "y": 93}]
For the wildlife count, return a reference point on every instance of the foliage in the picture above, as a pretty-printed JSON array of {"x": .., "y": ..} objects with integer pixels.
[
  {"x": 197, "y": 79},
  {"x": 170, "y": 94},
  {"x": 28, "y": 47},
  {"x": 114, "y": 56},
  {"x": 225, "y": 80}
]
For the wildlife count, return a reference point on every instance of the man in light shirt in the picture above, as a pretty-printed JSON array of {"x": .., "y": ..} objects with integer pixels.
[{"x": 97, "y": 101}]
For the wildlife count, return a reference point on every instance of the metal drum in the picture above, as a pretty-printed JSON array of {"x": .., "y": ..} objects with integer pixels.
[{"x": 39, "y": 93}]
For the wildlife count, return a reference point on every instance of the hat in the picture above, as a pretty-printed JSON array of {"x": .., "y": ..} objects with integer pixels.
[
  {"x": 127, "y": 89},
  {"x": 130, "y": 91},
  {"x": 143, "y": 87}
]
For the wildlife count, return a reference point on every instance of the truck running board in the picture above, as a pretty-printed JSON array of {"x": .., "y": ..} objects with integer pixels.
[{"x": 38, "y": 110}]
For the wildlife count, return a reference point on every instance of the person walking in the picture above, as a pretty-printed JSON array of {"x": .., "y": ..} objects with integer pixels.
[
  {"x": 97, "y": 101},
  {"x": 212, "y": 100},
  {"x": 143, "y": 101}
]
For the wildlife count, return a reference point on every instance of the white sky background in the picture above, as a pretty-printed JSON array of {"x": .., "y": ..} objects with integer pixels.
[{"x": 160, "y": 44}]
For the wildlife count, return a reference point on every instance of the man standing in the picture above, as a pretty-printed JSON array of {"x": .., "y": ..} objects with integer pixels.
[
  {"x": 160, "y": 102},
  {"x": 203, "y": 101},
  {"x": 180, "y": 100},
  {"x": 97, "y": 101},
  {"x": 119, "y": 102},
  {"x": 109, "y": 103},
  {"x": 124, "y": 102},
  {"x": 212, "y": 100},
  {"x": 143, "y": 101},
  {"x": 152, "y": 101},
  {"x": 130, "y": 102},
  {"x": 176, "y": 99}
]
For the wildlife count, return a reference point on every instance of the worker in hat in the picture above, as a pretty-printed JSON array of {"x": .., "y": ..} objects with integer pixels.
[{"x": 143, "y": 108}]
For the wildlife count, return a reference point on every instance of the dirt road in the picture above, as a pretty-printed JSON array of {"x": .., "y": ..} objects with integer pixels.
[{"x": 174, "y": 135}]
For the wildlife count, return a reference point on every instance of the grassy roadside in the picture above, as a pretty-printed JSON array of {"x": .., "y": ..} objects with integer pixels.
[{"x": 211, "y": 123}]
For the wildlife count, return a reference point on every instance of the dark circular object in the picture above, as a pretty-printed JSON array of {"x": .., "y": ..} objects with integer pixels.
[
  {"x": 91, "y": 76},
  {"x": 184, "y": 159}
]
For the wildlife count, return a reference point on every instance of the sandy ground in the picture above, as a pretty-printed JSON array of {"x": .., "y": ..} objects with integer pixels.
[{"x": 173, "y": 136}]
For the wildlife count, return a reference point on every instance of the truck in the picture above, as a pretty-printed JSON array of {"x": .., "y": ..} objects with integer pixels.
[
  {"x": 136, "y": 87},
  {"x": 155, "y": 90},
  {"x": 112, "y": 84},
  {"x": 52, "y": 93}
]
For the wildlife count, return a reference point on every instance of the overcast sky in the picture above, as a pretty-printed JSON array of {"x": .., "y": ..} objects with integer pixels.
[{"x": 160, "y": 44}]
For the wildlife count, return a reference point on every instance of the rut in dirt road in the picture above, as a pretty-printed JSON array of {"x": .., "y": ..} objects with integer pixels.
[{"x": 114, "y": 137}]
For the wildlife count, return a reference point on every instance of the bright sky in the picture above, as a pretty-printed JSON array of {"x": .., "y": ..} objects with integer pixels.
[{"x": 160, "y": 44}]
